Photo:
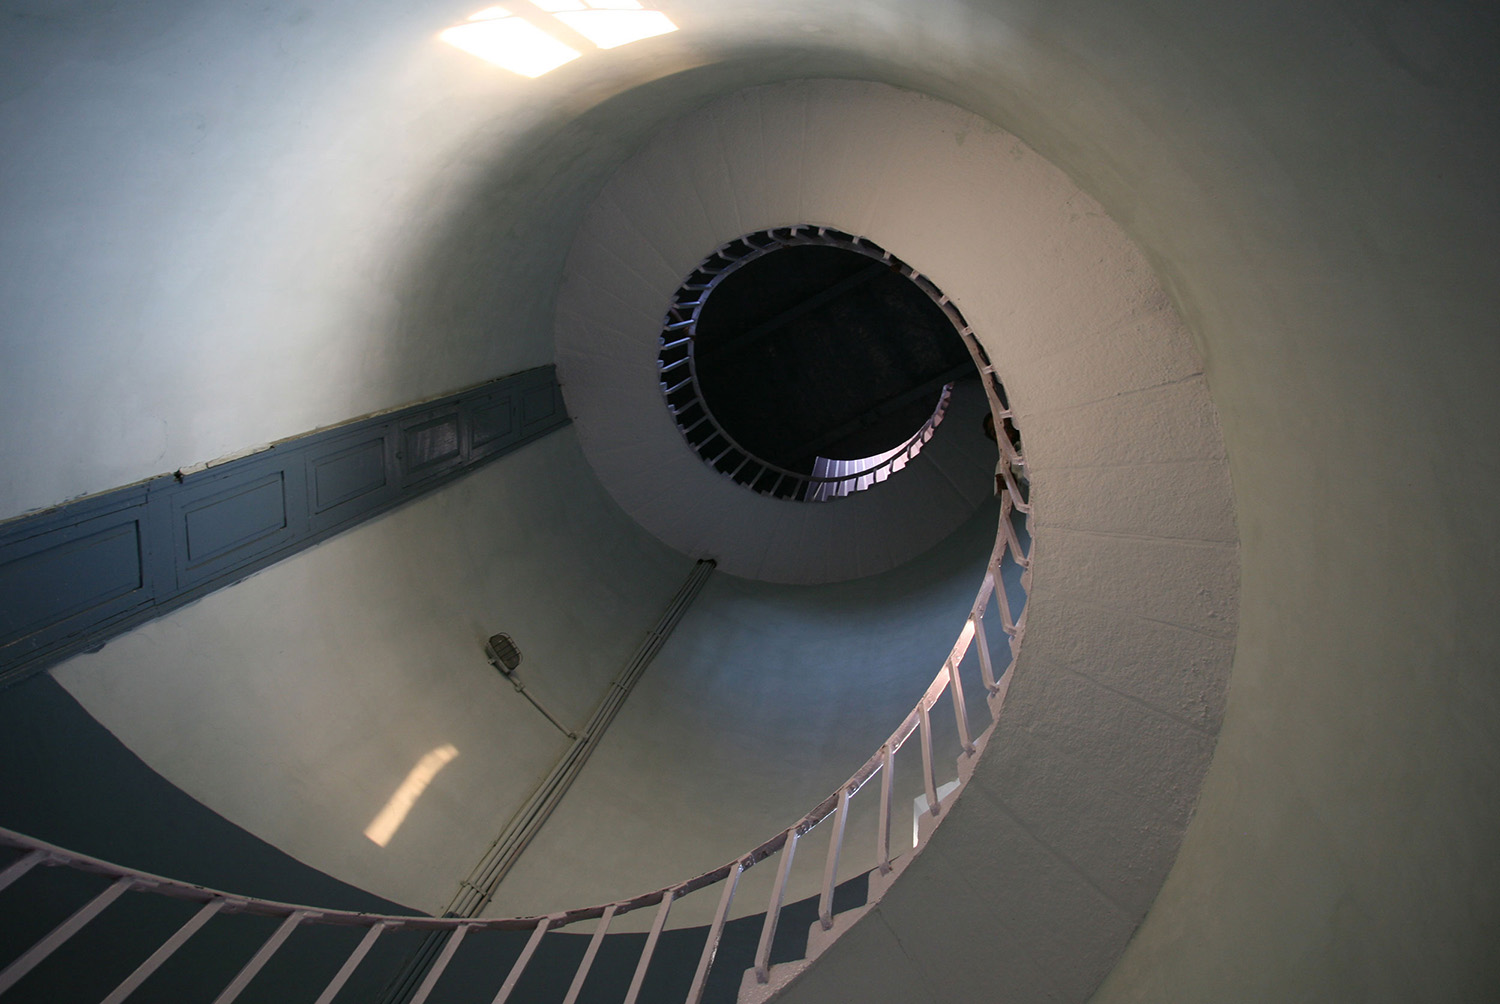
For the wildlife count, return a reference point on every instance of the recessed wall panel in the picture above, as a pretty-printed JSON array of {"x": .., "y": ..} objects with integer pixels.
[
  {"x": 430, "y": 446},
  {"x": 345, "y": 473},
  {"x": 74, "y": 576},
  {"x": 492, "y": 424},
  {"x": 538, "y": 406},
  {"x": 63, "y": 580},
  {"x": 69, "y": 578},
  {"x": 228, "y": 522}
]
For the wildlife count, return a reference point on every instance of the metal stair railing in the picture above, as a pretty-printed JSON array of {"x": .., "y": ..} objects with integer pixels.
[
  {"x": 677, "y": 368},
  {"x": 1007, "y": 551}
]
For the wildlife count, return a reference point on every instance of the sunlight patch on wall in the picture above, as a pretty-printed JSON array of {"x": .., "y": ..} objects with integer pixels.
[
  {"x": 385, "y": 824},
  {"x": 515, "y": 40}
]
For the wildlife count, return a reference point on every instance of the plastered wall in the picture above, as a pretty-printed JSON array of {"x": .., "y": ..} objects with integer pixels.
[
  {"x": 1312, "y": 185},
  {"x": 226, "y": 225},
  {"x": 764, "y": 700},
  {"x": 1121, "y": 684},
  {"x": 297, "y": 702}
]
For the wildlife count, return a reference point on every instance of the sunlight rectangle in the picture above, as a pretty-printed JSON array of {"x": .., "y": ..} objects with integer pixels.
[
  {"x": 556, "y": 6},
  {"x": 610, "y": 28},
  {"x": 389, "y": 819},
  {"x": 510, "y": 42}
]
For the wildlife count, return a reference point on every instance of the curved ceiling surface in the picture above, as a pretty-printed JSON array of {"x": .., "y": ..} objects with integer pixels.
[{"x": 1002, "y": 232}]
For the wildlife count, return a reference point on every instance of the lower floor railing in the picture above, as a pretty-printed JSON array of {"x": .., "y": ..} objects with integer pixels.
[{"x": 524, "y": 936}]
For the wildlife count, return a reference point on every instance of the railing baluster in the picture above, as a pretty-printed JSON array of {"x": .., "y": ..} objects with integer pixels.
[
  {"x": 20, "y": 867},
  {"x": 444, "y": 957},
  {"x": 1021, "y": 620},
  {"x": 588, "y": 956},
  {"x": 542, "y": 924},
  {"x": 1007, "y": 509},
  {"x": 715, "y": 932},
  {"x": 260, "y": 958},
  {"x": 350, "y": 964},
  {"x": 960, "y": 709},
  {"x": 928, "y": 778},
  {"x": 831, "y": 868},
  {"x": 986, "y": 668},
  {"x": 1002, "y": 601},
  {"x": 773, "y": 909},
  {"x": 1013, "y": 488},
  {"x": 61, "y": 933},
  {"x": 883, "y": 834},
  {"x": 166, "y": 951},
  {"x": 651, "y": 939},
  {"x": 1009, "y": 529}
]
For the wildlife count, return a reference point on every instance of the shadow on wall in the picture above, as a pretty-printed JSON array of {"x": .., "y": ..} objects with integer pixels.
[
  {"x": 68, "y": 781},
  {"x": 66, "y": 774},
  {"x": 763, "y": 701}
]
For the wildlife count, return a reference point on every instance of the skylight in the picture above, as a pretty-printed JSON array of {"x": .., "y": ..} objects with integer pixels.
[{"x": 533, "y": 37}]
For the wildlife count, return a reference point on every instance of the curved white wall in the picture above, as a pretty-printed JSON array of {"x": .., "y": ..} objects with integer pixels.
[
  {"x": 296, "y": 702},
  {"x": 1313, "y": 184},
  {"x": 1135, "y": 567},
  {"x": 224, "y": 226},
  {"x": 764, "y": 700}
]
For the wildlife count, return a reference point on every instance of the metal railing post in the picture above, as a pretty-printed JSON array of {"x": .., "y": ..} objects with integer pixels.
[
  {"x": 444, "y": 957},
  {"x": 260, "y": 958},
  {"x": 588, "y": 957},
  {"x": 982, "y": 644},
  {"x": 960, "y": 710},
  {"x": 166, "y": 951},
  {"x": 350, "y": 964},
  {"x": 883, "y": 834},
  {"x": 929, "y": 779},
  {"x": 715, "y": 933},
  {"x": 773, "y": 909},
  {"x": 62, "y": 932},
  {"x": 542, "y": 924},
  {"x": 20, "y": 867},
  {"x": 1002, "y": 602},
  {"x": 649, "y": 950},
  {"x": 831, "y": 868}
]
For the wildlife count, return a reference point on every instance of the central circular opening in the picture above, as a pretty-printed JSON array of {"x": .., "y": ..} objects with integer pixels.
[
  {"x": 806, "y": 363},
  {"x": 813, "y": 351}
]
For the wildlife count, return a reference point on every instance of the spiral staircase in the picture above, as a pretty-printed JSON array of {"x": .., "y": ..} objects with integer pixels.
[{"x": 1233, "y": 268}]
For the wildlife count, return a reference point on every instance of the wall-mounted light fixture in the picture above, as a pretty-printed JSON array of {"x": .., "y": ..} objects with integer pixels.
[
  {"x": 502, "y": 652},
  {"x": 505, "y": 655}
]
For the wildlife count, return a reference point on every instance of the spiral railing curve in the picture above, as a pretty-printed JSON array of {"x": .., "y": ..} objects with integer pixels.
[
  {"x": 678, "y": 369},
  {"x": 759, "y": 981}
]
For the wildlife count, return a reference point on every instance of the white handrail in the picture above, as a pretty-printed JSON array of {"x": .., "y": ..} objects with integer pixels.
[{"x": 1007, "y": 548}]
